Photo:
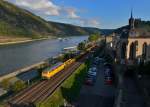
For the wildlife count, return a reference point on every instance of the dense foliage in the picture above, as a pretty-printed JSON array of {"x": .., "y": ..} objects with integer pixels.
[
  {"x": 94, "y": 37},
  {"x": 18, "y": 85},
  {"x": 81, "y": 46},
  {"x": 5, "y": 84}
]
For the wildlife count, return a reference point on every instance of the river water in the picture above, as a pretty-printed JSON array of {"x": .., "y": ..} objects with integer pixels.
[{"x": 16, "y": 56}]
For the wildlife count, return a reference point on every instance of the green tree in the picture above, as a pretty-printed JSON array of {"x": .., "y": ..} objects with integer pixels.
[
  {"x": 67, "y": 56},
  {"x": 94, "y": 37},
  {"x": 81, "y": 46},
  {"x": 18, "y": 85},
  {"x": 5, "y": 84}
]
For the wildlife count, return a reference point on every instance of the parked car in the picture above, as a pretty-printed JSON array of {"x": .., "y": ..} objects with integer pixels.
[
  {"x": 108, "y": 65},
  {"x": 101, "y": 60},
  {"x": 91, "y": 76},
  {"x": 108, "y": 72},
  {"x": 108, "y": 80},
  {"x": 89, "y": 81},
  {"x": 93, "y": 69},
  {"x": 92, "y": 73},
  {"x": 95, "y": 62},
  {"x": 97, "y": 58}
]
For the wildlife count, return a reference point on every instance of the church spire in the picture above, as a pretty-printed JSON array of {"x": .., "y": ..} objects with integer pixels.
[
  {"x": 131, "y": 20},
  {"x": 131, "y": 13}
]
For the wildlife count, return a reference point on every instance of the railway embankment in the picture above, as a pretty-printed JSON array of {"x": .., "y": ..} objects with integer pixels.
[{"x": 69, "y": 91}]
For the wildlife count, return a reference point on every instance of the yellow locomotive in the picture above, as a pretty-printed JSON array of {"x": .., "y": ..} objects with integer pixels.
[{"x": 50, "y": 72}]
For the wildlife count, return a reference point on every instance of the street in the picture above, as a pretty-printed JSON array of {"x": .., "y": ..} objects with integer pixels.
[
  {"x": 132, "y": 96},
  {"x": 99, "y": 95}
]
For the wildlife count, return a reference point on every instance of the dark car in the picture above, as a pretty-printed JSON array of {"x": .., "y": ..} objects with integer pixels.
[
  {"x": 107, "y": 65},
  {"x": 108, "y": 72},
  {"x": 89, "y": 81},
  {"x": 108, "y": 80},
  {"x": 91, "y": 76}
]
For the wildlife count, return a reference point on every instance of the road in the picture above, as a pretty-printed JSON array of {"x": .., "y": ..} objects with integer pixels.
[
  {"x": 132, "y": 96},
  {"x": 99, "y": 95}
]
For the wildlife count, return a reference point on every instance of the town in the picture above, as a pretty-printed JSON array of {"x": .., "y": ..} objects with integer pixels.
[{"x": 53, "y": 55}]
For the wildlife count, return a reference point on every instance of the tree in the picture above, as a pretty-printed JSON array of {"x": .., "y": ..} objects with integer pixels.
[
  {"x": 81, "y": 46},
  {"x": 18, "y": 85},
  {"x": 5, "y": 84},
  {"x": 67, "y": 55},
  {"x": 94, "y": 37}
]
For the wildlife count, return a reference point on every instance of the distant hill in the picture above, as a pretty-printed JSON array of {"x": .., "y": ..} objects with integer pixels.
[
  {"x": 142, "y": 28},
  {"x": 102, "y": 31},
  {"x": 121, "y": 29},
  {"x": 72, "y": 30},
  {"x": 18, "y": 22}
]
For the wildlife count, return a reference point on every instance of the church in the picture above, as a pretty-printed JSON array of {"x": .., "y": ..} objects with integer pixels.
[{"x": 132, "y": 42}]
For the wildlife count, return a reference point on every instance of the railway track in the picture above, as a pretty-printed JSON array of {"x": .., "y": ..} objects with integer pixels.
[{"x": 43, "y": 89}]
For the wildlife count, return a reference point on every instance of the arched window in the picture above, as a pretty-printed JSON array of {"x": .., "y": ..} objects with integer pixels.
[
  {"x": 144, "y": 51},
  {"x": 123, "y": 51},
  {"x": 132, "y": 51}
]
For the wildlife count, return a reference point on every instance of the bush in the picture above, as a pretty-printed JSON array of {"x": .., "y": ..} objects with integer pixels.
[
  {"x": 94, "y": 37},
  {"x": 81, "y": 46},
  {"x": 5, "y": 84},
  {"x": 18, "y": 85}
]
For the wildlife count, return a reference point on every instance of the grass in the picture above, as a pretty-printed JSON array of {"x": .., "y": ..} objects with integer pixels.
[
  {"x": 2, "y": 105},
  {"x": 69, "y": 91}
]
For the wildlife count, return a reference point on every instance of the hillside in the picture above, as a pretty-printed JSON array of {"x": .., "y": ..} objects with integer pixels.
[{"x": 17, "y": 22}]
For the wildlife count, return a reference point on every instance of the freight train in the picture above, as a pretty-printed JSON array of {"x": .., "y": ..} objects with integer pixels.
[{"x": 50, "y": 72}]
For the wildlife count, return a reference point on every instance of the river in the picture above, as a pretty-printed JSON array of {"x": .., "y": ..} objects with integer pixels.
[{"x": 16, "y": 56}]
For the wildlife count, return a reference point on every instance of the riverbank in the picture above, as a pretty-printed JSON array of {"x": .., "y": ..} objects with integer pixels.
[
  {"x": 10, "y": 41},
  {"x": 23, "y": 70},
  {"x": 17, "y": 40}
]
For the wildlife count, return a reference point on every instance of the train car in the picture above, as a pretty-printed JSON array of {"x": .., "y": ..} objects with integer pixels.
[
  {"x": 90, "y": 48},
  {"x": 50, "y": 72},
  {"x": 70, "y": 61}
]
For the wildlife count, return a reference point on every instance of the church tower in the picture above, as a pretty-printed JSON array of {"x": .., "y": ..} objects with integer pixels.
[{"x": 131, "y": 21}]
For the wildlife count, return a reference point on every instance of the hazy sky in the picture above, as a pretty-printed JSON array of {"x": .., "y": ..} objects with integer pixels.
[{"x": 95, "y": 13}]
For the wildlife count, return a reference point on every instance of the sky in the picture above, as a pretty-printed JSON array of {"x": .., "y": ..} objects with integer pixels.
[{"x": 104, "y": 14}]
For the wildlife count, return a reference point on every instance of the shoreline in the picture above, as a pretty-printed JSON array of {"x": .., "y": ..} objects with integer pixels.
[
  {"x": 21, "y": 70},
  {"x": 23, "y": 41},
  {"x": 30, "y": 40}
]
